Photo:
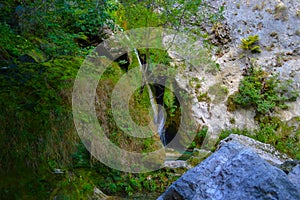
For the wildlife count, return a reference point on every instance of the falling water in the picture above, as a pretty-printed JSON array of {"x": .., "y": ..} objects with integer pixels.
[
  {"x": 158, "y": 110},
  {"x": 160, "y": 123}
]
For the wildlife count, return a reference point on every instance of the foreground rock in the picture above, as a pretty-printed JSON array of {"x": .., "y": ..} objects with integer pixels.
[
  {"x": 265, "y": 151},
  {"x": 294, "y": 176},
  {"x": 233, "y": 172}
]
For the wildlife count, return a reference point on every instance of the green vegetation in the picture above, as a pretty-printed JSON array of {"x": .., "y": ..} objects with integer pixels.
[
  {"x": 283, "y": 136},
  {"x": 263, "y": 91},
  {"x": 198, "y": 140},
  {"x": 154, "y": 182},
  {"x": 232, "y": 121},
  {"x": 298, "y": 13},
  {"x": 204, "y": 97},
  {"x": 249, "y": 44},
  {"x": 266, "y": 93}
]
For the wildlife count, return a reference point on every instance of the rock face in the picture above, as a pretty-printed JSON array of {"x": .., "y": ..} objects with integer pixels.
[
  {"x": 265, "y": 151},
  {"x": 277, "y": 23},
  {"x": 233, "y": 172}
]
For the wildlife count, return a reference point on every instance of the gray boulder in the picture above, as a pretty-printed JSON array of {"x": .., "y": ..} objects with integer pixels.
[
  {"x": 265, "y": 151},
  {"x": 233, "y": 172},
  {"x": 288, "y": 166},
  {"x": 294, "y": 176}
]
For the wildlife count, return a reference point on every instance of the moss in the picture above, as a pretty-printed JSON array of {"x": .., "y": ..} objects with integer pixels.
[
  {"x": 194, "y": 81},
  {"x": 279, "y": 60},
  {"x": 213, "y": 68},
  {"x": 199, "y": 155},
  {"x": 232, "y": 121},
  {"x": 204, "y": 97},
  {"x": 77, "y": 184},
  {"x": 199, "y": 138},
  {"x": 242, "y": 55},
  {"x": 231, "y": 105},
  {"x": 279, "y": 134},
  {"x": 195, "y": 160},
  {"x": 298, "y": 13},
  {"x": 198, "y": 86}
]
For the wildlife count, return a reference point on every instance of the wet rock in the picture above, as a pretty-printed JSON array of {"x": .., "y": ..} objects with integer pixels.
[{"x": 233, "y": 172}]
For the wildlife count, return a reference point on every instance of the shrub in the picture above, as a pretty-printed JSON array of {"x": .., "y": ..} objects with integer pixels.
[
  {"x": 249, "y": 44},
  {"x": 263, "y": 91}
]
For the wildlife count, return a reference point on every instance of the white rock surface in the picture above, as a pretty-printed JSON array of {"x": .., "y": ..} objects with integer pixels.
[{"x": 279, "y": 33}]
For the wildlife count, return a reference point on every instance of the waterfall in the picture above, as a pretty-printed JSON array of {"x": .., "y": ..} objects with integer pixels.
[
  {"x": 160, "y": 124},
  {"x": 158, "y": 110}
]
